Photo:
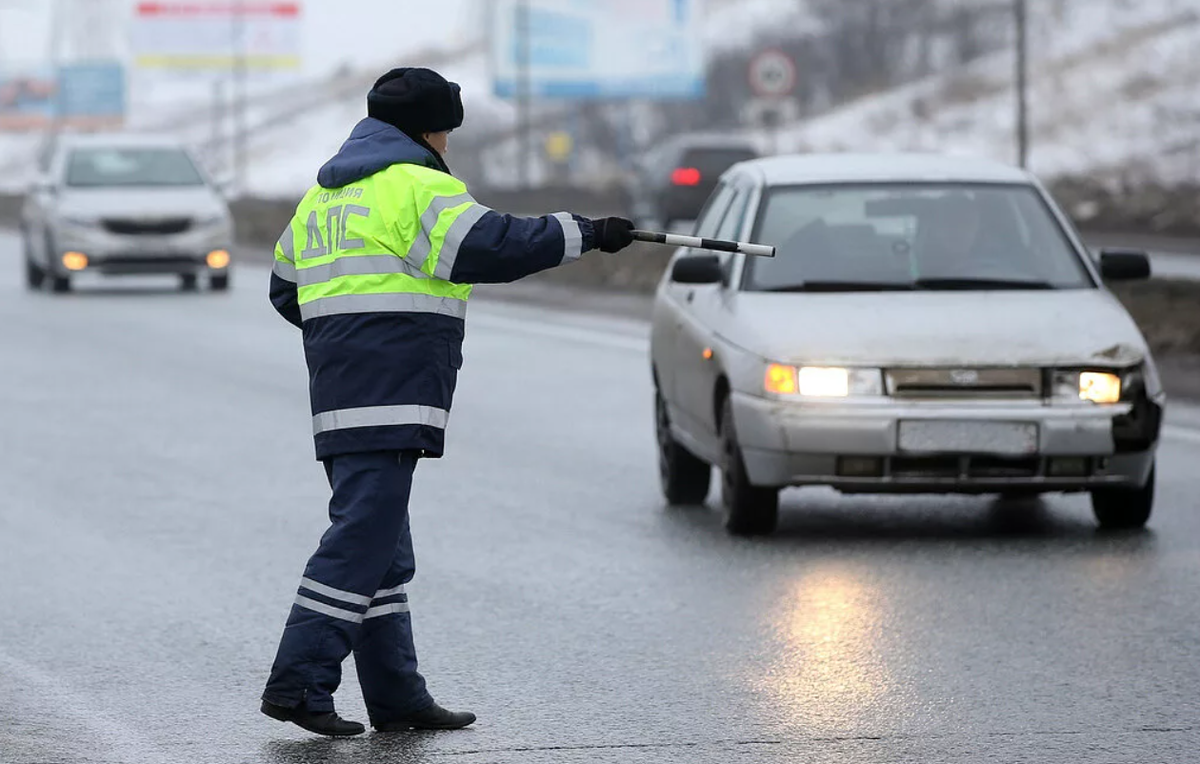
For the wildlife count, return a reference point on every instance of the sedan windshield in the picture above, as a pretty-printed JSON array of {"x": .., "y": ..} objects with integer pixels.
[
  {"x": 912, "y": 237},
  {"x": 101, "y": 167}
]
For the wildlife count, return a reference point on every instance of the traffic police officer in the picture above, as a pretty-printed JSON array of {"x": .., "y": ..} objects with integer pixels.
[{"x": 376, "y": 268}]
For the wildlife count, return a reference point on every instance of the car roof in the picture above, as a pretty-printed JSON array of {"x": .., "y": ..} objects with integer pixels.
[
  {"x": 800, "y": 169},
  {"x": 121, "y": 140}
]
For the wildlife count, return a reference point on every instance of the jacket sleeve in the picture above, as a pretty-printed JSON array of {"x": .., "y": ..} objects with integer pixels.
[
  {"x": 482, "y": 246},
  {"x": 284, "y": 294}
]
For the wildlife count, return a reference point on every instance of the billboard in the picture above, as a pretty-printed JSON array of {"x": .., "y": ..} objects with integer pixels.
[
  {"x": 598, "y": 49},
  {"x": 92, "y": 95},
  {"x": 200, "y": 36},
  {"x": 27, "y": 99},
  {"x": 86, "y": 96}
]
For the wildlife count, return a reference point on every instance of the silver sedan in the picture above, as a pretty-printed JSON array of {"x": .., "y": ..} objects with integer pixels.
[
  {"x": 929, "y": 324},
  {"x": 124, "y": 204}
]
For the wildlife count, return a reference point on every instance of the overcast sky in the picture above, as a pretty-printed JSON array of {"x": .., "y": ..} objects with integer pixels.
[{"x": 365, "y": 32}]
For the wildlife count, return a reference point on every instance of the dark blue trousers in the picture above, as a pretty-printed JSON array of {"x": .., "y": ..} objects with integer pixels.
[{"x": 352, "y": 598}]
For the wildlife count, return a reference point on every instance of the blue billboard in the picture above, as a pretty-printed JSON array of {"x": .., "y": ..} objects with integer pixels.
[
  {"x": 87, "y": 96},
  {"x": 92, "y": 94},
  {"x": 598, "y": 49}
]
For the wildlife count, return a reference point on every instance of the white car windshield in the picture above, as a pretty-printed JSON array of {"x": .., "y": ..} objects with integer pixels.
[
  {"x": 912, "y": 236},
  {"x": 107, "y": 167}
]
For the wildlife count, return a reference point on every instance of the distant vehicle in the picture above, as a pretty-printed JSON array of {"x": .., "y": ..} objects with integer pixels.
[
  {"x": 677, "y": 177},
  {"x": 929, "y": 325},
  {"x": 122, "y": 204}
]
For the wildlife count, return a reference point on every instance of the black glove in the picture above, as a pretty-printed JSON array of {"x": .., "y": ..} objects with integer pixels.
[{"x": 612, "y": 234}]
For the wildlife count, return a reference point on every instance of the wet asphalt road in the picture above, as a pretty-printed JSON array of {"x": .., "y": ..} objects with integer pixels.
[{"x": 161, "y": 499}]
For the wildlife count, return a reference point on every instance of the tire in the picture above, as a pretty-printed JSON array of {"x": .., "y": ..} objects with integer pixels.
[
  {"x": 189, "y": 282},
  {"x": 749, "y": 509},
  {"x": 60, "y": 284},
  {"x": 35, "y": 276},
  {"x": 684, "y": 477},
  {"x": 1124, "y": 508},
  {"x": 219, "y": 282}
]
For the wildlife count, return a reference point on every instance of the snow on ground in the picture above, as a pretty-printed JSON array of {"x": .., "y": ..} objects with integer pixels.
[{"x": 1112, "y": 90}]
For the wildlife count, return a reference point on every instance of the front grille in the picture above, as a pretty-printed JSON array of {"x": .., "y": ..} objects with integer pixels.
[
  {"x": 162, "y": 227},
  {"x": 1003, "y": 383}
]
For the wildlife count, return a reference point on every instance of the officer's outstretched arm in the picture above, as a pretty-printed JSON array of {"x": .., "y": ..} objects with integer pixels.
[
  {"x": 498, "y": 248},
  {"x": 284, "y": 295}
]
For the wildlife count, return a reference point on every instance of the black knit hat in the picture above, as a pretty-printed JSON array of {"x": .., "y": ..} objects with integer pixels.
[{"x": 416, "y": 101}]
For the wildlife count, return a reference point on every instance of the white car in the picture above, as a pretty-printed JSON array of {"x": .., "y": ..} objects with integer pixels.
[
  {"x": 929, "y": 325},
  {"x": 124, "y": 204}
]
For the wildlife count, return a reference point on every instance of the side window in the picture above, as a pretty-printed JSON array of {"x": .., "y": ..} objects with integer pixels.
[{"x": 714, "y": 212}]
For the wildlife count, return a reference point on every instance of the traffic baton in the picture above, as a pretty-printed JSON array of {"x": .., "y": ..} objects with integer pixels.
[{"x": 677, "y": 240}]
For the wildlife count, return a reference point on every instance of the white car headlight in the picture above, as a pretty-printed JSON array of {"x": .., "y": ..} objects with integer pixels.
[
  {"x": 822, "y": 381},
  {"x": 1091, "y": 386}
]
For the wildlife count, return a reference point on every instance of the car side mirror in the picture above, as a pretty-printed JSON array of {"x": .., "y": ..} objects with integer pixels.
[
  {"x": 45, "y": 185},
  {"x": 1124, "y": 264},
  {"x": 698, "y": 269}
]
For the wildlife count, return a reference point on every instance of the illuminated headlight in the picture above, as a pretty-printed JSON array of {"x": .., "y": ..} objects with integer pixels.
[
  {"x": 1091, "y": 386},
  {"x": 822, "y": 381}
]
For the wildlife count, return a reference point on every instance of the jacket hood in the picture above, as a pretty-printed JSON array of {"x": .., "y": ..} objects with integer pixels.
[{"x": 372, "y": 146}]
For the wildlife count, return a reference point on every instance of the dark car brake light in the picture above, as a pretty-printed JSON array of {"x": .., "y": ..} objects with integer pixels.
[{"x": 685, "y": 176}]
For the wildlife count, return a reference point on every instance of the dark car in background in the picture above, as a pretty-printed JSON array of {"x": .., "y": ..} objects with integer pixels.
[{"x": 676, "y": 177}]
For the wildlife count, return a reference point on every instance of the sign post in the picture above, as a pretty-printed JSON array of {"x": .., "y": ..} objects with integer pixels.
[{"x": 773, "y": 79}]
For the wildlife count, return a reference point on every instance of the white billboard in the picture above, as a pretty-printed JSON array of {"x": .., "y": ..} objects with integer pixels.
[
  {"x": 216, "y": 35},
  {"x": 596, "y": 49}
]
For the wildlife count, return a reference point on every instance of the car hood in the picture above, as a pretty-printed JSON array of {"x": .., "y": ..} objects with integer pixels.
[
  {"x": 192, "y": 201},
  {"x": 1086, "y": 326}
]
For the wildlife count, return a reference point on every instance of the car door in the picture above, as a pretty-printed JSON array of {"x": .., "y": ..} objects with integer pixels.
[
  {"x": 702, "y": 307},
  {"x": 667, "y": 319}
]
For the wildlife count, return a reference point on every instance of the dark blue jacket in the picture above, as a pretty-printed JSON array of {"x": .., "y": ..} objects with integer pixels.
[{"x": 365, "y": 368}]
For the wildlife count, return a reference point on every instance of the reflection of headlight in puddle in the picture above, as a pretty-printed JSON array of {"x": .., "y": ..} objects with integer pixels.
[{"x": 829, "y": 671}]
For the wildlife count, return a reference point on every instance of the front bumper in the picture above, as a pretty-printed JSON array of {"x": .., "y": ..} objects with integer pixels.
[
  {"x": 855, "y": 446},
  {"x": 116, "y": 254}
]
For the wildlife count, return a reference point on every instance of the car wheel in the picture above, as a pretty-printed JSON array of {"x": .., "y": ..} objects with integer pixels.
[
  {"x": 1124, "y": 508},
  {"x": 749, "y": 509},
  {"x": 220, "y": 282},
  {"x": 35, "y": 276},
  {"x": 685, "y": 478},
  {"x": 189, "y": 282},
  {"x": 60, "y": 284}
]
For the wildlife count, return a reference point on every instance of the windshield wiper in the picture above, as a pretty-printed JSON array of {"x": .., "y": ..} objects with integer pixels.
[
  {"x": 843, "y": 286},
  {"x": 967, "y": 284}
]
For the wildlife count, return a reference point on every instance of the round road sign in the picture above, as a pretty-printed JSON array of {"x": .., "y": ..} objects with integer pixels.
[{"x": 772, "y": 73}]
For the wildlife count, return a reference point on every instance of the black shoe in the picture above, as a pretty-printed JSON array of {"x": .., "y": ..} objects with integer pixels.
[
  {"x": 432, "y": 718},
  {"x": 327, "y": 723}
]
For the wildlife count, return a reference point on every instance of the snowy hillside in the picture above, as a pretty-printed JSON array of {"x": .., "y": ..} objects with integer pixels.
[{"x": 1112, "y": 93}]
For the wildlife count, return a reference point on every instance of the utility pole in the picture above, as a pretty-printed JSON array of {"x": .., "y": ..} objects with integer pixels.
[
  {"x": 524, "y": 95},
  {"x": 239, "y": 98},
  {"x": 1021, "y": 13}
]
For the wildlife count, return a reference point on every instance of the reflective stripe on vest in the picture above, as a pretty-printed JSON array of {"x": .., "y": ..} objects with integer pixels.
[{"x": 386, "y": 244}]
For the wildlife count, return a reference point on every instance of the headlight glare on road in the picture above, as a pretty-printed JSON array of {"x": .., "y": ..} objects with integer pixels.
[
  {"x": 780, "y": 379},
  {"x": 1099, "y": 387}
]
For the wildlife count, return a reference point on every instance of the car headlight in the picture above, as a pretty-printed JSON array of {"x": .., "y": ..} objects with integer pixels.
[
  {"x": 210, "y": 221},
  {"x": 822, "y": 381},
  {"x": 1091, "y": 386},
  {"x": 78, "y": 221}
]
